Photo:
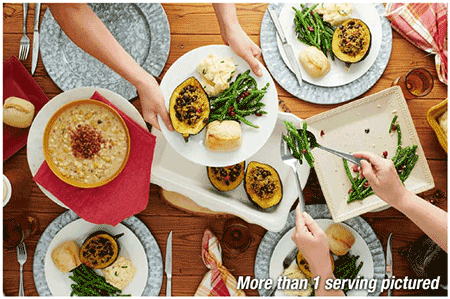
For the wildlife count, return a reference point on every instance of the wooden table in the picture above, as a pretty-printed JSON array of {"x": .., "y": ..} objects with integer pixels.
[{"x": 192, "y": 26}]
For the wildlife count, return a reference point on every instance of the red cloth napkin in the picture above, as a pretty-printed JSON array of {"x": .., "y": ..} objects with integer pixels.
[
  {"x": 121, "y": 198},
  {"x": 218, "y": 281},
  {"x": 425, "y": 26}
]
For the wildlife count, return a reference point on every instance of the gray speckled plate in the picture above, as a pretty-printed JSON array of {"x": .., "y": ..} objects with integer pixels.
[
  {"x": 317, "y": 94},
  {"x": 142, "y": 29},
  {"x": 271, "y": 239},
  {"x": 151, "y": 248}
]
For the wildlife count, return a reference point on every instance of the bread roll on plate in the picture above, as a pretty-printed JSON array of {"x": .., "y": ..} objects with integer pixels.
[
  {"x": 340, "y": 239},
  {"x": 66, "y": 256},
  {"x": 314, "y": 62},
  {"x": 18, "y": 112},
  {"x": 223, "y": 136}
]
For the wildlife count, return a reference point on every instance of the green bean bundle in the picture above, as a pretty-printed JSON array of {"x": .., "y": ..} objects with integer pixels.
[
  {"x": 241, "y": 99},
  {"x": 312, "y": 30},
  {"x": 89, "y": 283},
  {"x": 345, "y": 267},
  {"x": 404, "y": 161},
  {"x": 298, "y": 143}
]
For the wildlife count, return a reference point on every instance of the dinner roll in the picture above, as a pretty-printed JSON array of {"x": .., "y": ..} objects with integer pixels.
[
  {"x": 223, "y": 136},
  {"x": 314, "y": 62},
  {"x": 340, "y": 239},
  {"x": 66, "y": 256},
  {"x": 18, "y": 112}
]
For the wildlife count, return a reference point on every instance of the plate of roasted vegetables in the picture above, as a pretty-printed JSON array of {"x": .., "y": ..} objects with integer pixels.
[
  {"x": 221, "y": 111},
  {"x": 336, "y": 43},
  {"x": 78, "y": 258}
]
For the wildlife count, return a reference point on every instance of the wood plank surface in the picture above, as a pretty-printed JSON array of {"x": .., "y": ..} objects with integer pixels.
[{"x": 193, "y": 25}]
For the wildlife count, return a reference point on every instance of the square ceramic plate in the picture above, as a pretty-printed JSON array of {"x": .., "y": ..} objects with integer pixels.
[
  {"x": 173, "y": 172},
  {"x": 363, "y": 125}
]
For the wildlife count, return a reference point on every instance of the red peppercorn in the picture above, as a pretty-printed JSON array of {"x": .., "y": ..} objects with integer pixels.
[{"x": 385, "y": 153}]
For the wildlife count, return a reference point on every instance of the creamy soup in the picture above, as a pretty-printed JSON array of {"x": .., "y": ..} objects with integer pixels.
[{"x": 88, "y": 143}]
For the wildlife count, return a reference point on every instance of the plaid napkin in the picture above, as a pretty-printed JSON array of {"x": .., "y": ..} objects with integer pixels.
[
  {"x": 218, "y": 281},
  {"x": 121, "y": 198},
  {"x": 425, "y": 26}
]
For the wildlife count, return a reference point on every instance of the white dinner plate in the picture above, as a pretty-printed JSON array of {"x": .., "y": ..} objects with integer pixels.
[
  {"x": 130, "y": 247},
  {"x": 338, "y": 74},
  {"x": 252, "y": 139},
  {"x": 35, "y": 153},
  {"x": 285, "y": 245}
]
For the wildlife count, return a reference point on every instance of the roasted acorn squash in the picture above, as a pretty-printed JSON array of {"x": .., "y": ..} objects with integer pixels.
[
  {"x": 263, "y": 185},
  {"x": 304, "y": 266},
  {"x": 226, "y": 178},
  {"x": 351, "y": 41},
  {"x": 189, "y": 108},
  {"x": 100, "y": 250}
]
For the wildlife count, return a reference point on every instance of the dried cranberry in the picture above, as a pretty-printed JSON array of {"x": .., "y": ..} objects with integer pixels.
[
  {"x": 394, "y": 128},
  {"x": 230, "y": 109},
  {"x": 310, "y": 28},
  {"x": 350, "y": 190},
  {"x": 258, "y": 113},
  {"x": 366, "y": 184},
  {"x": 322, "y": 133},
  {"x": 385, "y": 153},
  {"x": 199, "y": 110},
  {"x": 226, "y": 178},
  {"x": 232, "y": 113},
  {"x": 355, "y": 168}
]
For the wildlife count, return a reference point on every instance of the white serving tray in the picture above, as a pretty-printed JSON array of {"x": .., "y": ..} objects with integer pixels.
[
  {"x": 175, "y": 173},
  {"x": 345, "y": 129}
]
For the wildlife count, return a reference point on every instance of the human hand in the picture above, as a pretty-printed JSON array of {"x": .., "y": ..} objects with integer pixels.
[
  {"x": 312, "y": 242},
  {"x": 244, "y": 47},
  {"x": 152, "y": 101},
  {"x": 382, "y": 177}
]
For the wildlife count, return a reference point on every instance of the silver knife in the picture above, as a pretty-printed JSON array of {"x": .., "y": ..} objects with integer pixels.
[
  {"x": 34, "y": 60},
  {"x": 287, "y": 47},
  {"x": 169, "y": 265},
  {"x": 389, "y": 265}
]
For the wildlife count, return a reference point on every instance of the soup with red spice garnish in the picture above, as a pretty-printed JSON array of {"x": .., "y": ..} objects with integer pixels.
[{"x": 87, "y": 143}]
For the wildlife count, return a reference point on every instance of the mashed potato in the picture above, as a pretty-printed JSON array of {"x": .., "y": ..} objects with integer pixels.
[
  {"x": 120, "y": 273},
  {"x": 335, "y": 13},
  {"x": 217, "y": 72},
  {"x": 294, "y": 273}
]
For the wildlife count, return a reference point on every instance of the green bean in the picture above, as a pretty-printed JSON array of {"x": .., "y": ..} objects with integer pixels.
[
  {"x": 391, "y": 127},
  {"x": 349, "y": 175},
  {"x": 248, "y": 123}
]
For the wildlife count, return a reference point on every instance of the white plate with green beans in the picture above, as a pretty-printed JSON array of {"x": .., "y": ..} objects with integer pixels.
[
  {"x": 359, "y": 248},
  {"x": 339, "y": 74},
  {"x": 253, "y": 138},
  {"x": 59, "y": 283}
]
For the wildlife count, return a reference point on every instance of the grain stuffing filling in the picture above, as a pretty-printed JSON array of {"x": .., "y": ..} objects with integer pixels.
[
  {"x": 227, "y": 174},
  {"x": 88, "y": 143},
  {"x": 263, "y": 182},
  {"x": 353, "y": 38},
  {"x": 188, "y": 107}
]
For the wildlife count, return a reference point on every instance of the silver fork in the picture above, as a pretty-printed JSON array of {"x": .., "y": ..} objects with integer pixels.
[
  {"x": 25, "y": 40},
  {"x": 291, "y": 161},
  {"x": 22, "y": 258}
]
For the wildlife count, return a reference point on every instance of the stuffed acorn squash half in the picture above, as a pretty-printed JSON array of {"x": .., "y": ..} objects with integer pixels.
[
  {"x": 351, "y": 41},
  {"x": 100, "y": 250},
  {"x": 263, "y": 185},
  {"x": 226, "y": 178},
  {"x": 189, "y": 108}
]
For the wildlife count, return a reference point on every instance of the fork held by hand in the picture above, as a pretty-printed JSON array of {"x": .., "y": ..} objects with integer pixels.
[
  {"x": 22, "y": 258},
  {"x": 25, "y": 40},
  {"x": 291, "y": 161}
]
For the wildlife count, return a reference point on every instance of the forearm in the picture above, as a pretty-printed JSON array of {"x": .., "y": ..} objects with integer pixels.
[
  {"x": 226, "y": 16},
  {"x": 89, "y": 33},
  {"x": 429, "y": 218}
]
